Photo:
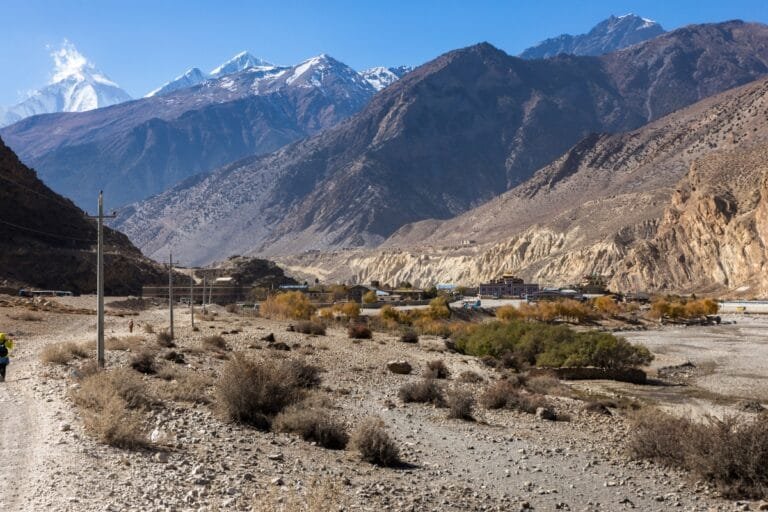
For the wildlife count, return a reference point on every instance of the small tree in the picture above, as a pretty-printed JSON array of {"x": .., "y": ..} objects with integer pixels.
[
  {"x": 369, "y": 297},
  {"x": 605, "y": 305}
]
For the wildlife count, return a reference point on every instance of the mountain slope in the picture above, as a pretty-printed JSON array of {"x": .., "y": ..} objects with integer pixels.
[
  {"x": 76, "y": 86},
  {"x": 679, "y": 205},
  {"x": 49, "y": 243},
  {"x": 447, "y": 137},
  {"x": 609, "y": 35},
  {"x": 189, "y": 78},
  {"x": 139, "y": 148}
]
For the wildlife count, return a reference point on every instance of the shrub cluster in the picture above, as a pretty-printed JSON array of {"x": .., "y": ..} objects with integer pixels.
[
  {"x": 730, "y": 452},
  {"x": 287, "y": 305},
  {"x": 508, "y": 394},
  {"x": 62, "y": 353},
  {"x": 437, "y": 369},
  {"x": 424, "y": 391},
  {"x": 310, "y": 327},
  {"x": 312, "y": 422},
  {"x": 374, "y": 444},
  {"x": 110, "y": 402},
  {"x": 341, "y": 311},
  {"x": 359, "y": 331},
  {"x": 676, "y": 308},
  {"x": 254, "y": 392},
  {"x": 460, "y": 404},
  {"x": 551, "y": 345}
]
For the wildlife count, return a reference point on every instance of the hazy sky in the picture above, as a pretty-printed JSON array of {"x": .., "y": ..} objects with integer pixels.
[{"x": 143, "y": 43}]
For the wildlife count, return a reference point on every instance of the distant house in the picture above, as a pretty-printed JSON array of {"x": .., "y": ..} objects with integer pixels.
[{"x": 507, "y": 285}]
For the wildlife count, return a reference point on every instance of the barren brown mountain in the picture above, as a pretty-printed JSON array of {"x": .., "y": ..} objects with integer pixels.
[
  {"x": 48, "y": 242},
  {"x": 452, "y": 134},
  {"x": 676, "y": 205}
]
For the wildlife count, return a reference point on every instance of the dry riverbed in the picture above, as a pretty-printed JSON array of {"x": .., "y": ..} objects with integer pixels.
[{"x": 504, "y": 460}]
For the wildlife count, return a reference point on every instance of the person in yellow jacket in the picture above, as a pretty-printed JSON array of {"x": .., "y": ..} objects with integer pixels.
[{"x": 6, "y": 344}]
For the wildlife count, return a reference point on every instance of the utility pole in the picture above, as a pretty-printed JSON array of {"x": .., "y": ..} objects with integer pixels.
[
  {"x": 192, "y": 297},
  {"x": 203, "y": 298},
  {"x": 170, "y": 290},
  {"x": 100, "y": 280}
]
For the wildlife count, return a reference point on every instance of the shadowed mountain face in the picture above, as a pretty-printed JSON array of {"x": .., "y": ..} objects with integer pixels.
[
  {"x": 450, "y": 135},
  {"x": 142, "y": 147},
  {"x": 609, "y": 35},
  {"x": 49, "y": 243}
]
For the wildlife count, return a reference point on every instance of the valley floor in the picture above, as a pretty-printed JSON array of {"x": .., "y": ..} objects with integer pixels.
[{"x": 503, "y": 461}]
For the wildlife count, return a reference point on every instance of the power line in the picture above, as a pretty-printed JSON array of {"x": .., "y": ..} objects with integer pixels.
[
  {"x": 46, "y": 196},
  {"x": 62, "y": 237}
]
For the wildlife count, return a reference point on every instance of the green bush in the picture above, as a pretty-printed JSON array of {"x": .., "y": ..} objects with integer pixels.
[{"x": 551, "y": 345}]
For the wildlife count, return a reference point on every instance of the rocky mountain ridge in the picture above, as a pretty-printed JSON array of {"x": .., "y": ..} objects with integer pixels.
[
  {"x": 447, "y": 137},
  {"x": 611, "y": 34},
  {"x": 142, "y": 147},
  {"x": 678, "y": 205}
]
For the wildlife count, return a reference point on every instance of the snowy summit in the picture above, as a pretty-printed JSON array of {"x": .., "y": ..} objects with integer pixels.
[{"x": 76, "y": 85}]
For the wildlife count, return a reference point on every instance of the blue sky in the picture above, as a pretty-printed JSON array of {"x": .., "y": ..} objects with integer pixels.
[{"x": 142, "y": 43}]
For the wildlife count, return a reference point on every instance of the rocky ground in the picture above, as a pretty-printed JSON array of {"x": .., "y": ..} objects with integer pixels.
[{"x": 504, "y": 460}]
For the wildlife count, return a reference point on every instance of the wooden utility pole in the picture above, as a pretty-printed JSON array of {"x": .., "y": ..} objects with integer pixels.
[
  {"x": 170, "y": 290},
  {"x": 192, "y": 297},
  {"x": 100, "y": 280}
]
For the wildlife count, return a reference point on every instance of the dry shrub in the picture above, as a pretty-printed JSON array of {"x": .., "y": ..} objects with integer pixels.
[
  {"x": 63, "y": 353},
  {"x": 374, "y": 444},
  {"x": 214, "y": 342},
  {"x": 320, "y": 494},
  {"x": 460, "y": 404},
  {"x": 507, "y": 394},
  {"x": 26, "y": 316},
  {"x": 288, "y": 305},
  {"x": 302, "y": 374},
  {"x": 127, "y": 343},
  {"x": 729, "y": 452},
  {"x": 432, "y": 326},
  {"x": 437, "y": 369},
  {"x": 252, "y": 392},
  {"x": 424, "y": 391},
  {"x": 149, "y": 328},
  {"x": 470, "y": 377},
  {"x": 232, "y": 308},
  {"x": 409, "y": 336},
  {"x": 109, "y": 400},
  {"x": 164, "y": 339},
  {"x": 186, "y": 385},
  {"x": 546, "y": 384},
  {"x": 312, "y": 423},
  {"x": 310, "y": 327},
  {"x": 506, "y": 313},
  {"x": 359, "y": 332},
  {"x": 144, "y": 362}
]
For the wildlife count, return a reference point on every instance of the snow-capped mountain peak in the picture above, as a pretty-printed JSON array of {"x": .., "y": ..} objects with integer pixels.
[
  {"x": 76, "y": 85},
  {"x": 380, "y": 77},
  {"x": 189, "y": 78},
  {"x": 240, "y": 62}
]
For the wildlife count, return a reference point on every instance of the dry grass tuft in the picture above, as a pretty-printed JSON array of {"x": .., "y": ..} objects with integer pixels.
[
  {"x": 214, "y": 342},
  {"x": 470, "y": 377},
  {"x": 63, "y": 353},
  {"x": 423, "y": 391},
  {"x": 252, "y": 392},
  {"x": 460, "y": 404},
  {"x": 729, "y": 452},
  {"x": 374, "y": 444},
  {"x": 165, "y": 340},
  {"x": 309, "y": 327},
  {"x": 26, "y": 316},
  {"x": 359, "y": 332},
  {"x": 312, "y": 423},
  {"x": 437, "y": 369},
  {"x": 109, "y": 400},
  {"x": 186, "y": 385},
  {"x": 127, "y": 343},
  {"x": 149, "y": 328},
  {"x": 506, "y": 394},
  {"x": 144, "y": 362},
  {"x": 409, "y": 336}
]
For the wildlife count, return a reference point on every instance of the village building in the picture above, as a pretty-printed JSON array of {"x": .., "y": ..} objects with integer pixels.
[{"x": 507, "y": 286}]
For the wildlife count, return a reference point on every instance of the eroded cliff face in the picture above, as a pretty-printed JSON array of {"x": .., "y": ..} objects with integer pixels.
[{"x": 713, "y": 234}]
